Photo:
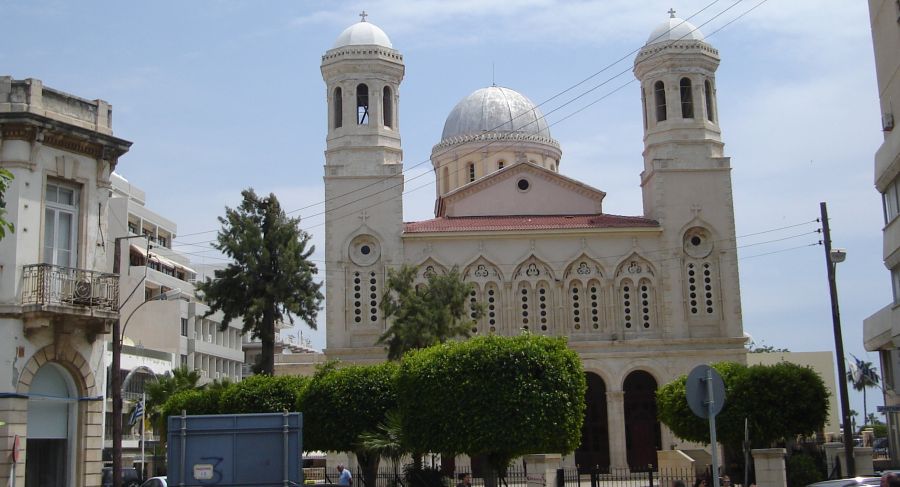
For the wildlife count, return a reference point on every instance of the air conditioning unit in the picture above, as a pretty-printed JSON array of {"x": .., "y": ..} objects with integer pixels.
[{"x": 82, "y": 292}]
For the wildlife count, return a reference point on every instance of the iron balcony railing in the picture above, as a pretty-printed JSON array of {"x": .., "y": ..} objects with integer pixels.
[{"x": 52, "y": 285}]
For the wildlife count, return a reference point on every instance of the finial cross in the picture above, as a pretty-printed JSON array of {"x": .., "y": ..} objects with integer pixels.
[
  {"x": 363, "y": 16},
  {"x": 671, "y": 13}
]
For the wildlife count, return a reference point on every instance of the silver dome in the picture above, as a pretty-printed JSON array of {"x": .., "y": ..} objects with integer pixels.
[
  {"x": 495, "y": 109},
  {"x": 675, "y": 29},
  {"x": 362, "y": 33}
]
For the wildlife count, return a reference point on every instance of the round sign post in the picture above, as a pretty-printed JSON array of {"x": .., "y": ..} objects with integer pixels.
[{"x": 706, "y": 397}]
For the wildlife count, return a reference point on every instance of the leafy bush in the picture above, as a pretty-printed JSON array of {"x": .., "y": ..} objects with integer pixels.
[
  {"x": 262, "y": 394},
  {"x": 339, "y": 403},
  {"x": 802, "y": 470},
  {"x": 499, "y": 396},
  {"x": 780, "y": 401}
]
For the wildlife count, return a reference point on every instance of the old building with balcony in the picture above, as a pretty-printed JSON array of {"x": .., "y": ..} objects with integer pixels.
[{"x": 58, "y": 298}]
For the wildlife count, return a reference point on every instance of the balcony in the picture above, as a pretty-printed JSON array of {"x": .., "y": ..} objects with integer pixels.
[{"x": 51, "y": 292}]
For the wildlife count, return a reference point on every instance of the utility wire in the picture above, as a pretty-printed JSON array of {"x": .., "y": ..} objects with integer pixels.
[{"x": 570, "y": 88}]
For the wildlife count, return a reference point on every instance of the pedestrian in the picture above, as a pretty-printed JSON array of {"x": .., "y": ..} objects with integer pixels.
[
  {"x": 726, "y": 481},
  {"x": 465, "y": 480},
  {"x": 701, "y": 482},
  {"x": 345, "y": 477},
  {"x": 678, "y": 483}
]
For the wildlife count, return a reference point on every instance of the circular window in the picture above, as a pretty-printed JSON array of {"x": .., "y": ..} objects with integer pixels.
[
  {"x": 364, "y": 250},
  {"x": 523, "y": 184},
  {"x": 697, "y": 243}
]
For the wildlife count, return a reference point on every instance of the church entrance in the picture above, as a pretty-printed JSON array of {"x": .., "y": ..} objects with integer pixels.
[
  {"x": 642, "y": 432},
  {"x": 52, "y": 403},
  {"x": 594, "y": 449}
]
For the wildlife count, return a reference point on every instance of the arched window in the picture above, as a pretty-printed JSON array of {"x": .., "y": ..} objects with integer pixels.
[
  {"x": 644, "y": 106},
  {"x": 338, "y": 104},
  {"x": 709, "y": 104},
  {"x": 473, "y": 305},
  {"x": 524, "y": 296},
  {"x": 543, "y": 305},
  {"x": 645, "y": 287},
  {"x": 575, "y": 304},
  {"x": 362, "y": 104},
  {"x": 687, "y": 98},
  {"x": 373, "y": 297},
  {"x": 593, "y": 299},
  {"x": 500, "y": 165},
  {"x": 627, "y": 294},
  {"x": 659, "y": 91},
  {"x": 493, "y": 295},
  {"x": 471, "y": 169},
  {"x": 387, "y": 107}
]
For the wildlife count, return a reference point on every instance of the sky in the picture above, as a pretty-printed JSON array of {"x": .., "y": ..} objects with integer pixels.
[{"x": 222, "y": 95}]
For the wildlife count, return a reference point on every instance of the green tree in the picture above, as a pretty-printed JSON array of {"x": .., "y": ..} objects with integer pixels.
[
  {"x": 341, "y": 403},
  {"x": 502, "y": 397},
  {"x": 779, "y": 401},
  {"x": 263, "y": 394},
  {"x": 270, "y": 277},
  {"x": 863, "y": 375},
  {"x": 425, "y": 314},
  {"x": 6, "y": 178}
]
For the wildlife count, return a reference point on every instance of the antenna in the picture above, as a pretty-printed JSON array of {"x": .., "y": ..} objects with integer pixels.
[{"x": 493, "y": 75}]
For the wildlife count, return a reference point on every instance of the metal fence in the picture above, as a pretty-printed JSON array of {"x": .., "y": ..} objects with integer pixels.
[
  {"x": 516, "y": 476},
  {"x": 45, "y": 284}
]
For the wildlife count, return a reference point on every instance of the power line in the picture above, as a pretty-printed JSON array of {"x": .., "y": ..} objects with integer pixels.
[{"x": 581, "y": 95}]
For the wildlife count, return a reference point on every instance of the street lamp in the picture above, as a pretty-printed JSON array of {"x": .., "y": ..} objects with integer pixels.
[
  {"x": 116, "y": 382},
  {"x": 832, "y": 258}
]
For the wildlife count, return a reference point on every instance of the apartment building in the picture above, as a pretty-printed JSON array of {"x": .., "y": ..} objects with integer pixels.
[
  {"x": 58, "y": 298},
  {"x": 881, "y": 331}
]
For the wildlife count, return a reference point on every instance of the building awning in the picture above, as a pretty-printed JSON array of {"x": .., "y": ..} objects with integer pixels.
[{"x": 162, "y": 260}]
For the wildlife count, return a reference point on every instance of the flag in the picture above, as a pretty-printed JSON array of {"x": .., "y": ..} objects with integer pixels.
[{"x": 136, "y": 414}]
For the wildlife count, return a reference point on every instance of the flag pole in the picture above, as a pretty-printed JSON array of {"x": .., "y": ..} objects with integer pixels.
[{"x": 144, "y": 413}]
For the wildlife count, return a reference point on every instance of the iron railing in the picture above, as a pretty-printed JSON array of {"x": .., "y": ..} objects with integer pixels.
[{"x": 46, "y": 284}]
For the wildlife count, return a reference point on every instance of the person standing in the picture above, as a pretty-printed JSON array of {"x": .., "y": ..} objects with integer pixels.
[{"x": 345, "y": 477}]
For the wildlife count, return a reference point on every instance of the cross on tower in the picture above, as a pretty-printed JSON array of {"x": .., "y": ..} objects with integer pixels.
[
  {"x": 671, "y": 13},
  {"x": 363, "y": 16},
  {"x": 363, "y": 216}
]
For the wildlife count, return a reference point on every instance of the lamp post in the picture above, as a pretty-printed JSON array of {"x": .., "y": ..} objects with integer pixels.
[{"x": 832, "y": 258}]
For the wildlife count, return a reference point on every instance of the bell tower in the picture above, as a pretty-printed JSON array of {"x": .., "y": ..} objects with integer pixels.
[
  {"x": 686, "y": 181},
  {"x": 363, "y": 183}
]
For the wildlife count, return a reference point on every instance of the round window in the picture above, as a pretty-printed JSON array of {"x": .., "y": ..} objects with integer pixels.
[
  {"x": 523, "y": 184},
  {"x": 697, "y": 242},
  {"x": 364, "y": 250}
]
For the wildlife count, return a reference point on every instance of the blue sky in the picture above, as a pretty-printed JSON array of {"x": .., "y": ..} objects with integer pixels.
[{"x": 221, "y": 95}]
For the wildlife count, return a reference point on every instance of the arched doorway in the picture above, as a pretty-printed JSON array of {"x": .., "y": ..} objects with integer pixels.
[
  {"x": 52, "y": 406},
  {"x": 642, "y": 432},
  {"x": 594, "y": 449}
]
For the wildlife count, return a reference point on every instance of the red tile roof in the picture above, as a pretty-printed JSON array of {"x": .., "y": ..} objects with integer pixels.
[{"x": 526, "y": 222}]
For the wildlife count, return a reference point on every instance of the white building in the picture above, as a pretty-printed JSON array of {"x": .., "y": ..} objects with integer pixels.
[
  {"x": 58, "y": 299},
  {"x": 881, "y": 331},
  {"x": 643, "y": 299},
  {"x": 175, "y": 326}
]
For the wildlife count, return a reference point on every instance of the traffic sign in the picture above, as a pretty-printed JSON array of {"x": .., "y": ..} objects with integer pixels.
[{"x": 698, "y": 391}]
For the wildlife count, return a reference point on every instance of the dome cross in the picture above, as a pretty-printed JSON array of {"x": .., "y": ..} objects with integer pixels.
[
  {"x": 363, "y": 16},
  {"x": 671, "y": 13}
]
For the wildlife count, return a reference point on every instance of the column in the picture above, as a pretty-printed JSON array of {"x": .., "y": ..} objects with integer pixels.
[
  {"x": 615, "y": 416},
  {"x": 770, "y": 468}
]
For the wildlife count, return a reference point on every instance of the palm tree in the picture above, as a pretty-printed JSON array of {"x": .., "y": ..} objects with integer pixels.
[
  {"x": 161, "y": 388},
  {"x": 387, "y": 441},
  {"x": 862, "y": 375}
]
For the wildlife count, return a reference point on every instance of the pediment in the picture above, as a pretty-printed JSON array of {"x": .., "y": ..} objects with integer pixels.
[{"x": 522, "y": 189}]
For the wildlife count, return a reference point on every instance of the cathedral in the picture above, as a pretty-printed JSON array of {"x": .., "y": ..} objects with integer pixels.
[{"x": 641, "y": 298}]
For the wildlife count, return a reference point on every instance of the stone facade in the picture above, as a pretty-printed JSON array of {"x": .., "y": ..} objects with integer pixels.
[
  {"x": 642, "y": 299},
  {"x": 57, "y": 298}
]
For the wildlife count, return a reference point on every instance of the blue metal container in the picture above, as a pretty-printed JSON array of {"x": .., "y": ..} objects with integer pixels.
[{"x": 232, "y": 450}]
